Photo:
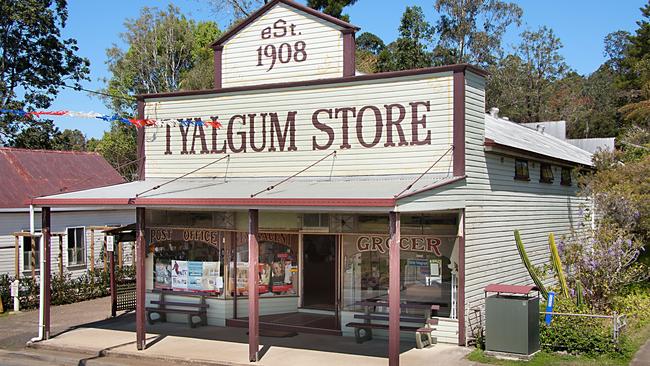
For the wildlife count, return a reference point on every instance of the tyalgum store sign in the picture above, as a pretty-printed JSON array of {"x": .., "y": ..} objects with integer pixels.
[{"x": 275, "y": 131}]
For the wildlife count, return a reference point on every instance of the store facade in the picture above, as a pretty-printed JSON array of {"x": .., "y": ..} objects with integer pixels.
[{"x": 316, "y": 190}]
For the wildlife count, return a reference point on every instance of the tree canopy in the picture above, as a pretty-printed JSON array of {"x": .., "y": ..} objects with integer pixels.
[{"x": 35, "y": 62}]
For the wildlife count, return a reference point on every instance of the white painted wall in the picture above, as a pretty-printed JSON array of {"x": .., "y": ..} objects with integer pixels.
[
  {"x": 435, "y": 89},
  {"x": 11, "y": 222},
  {"x": 323, "y": 47},
  {"x": 496, "y": 205}
]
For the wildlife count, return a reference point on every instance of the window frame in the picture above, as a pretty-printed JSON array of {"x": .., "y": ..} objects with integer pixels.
[
  {"x": 27, "y": 265},
  {"x": 526, "y": 177},
  {"x": 85, "y": 245},
  {"x": 541, "y": 173},
  {"x": 568, "y": 175}
]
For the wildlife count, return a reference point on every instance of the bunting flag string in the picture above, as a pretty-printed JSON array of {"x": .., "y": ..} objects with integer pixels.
[{"x": 211, "y": 121}]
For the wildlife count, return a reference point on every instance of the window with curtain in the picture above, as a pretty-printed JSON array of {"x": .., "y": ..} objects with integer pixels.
[
  {"x": 521, "y": 169},
  {"x": 545, "y": 173}
]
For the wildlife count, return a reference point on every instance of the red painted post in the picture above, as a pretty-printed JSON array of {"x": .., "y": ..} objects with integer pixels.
[
  {"x": 141, "y": 250},
  {"x": 46, "y": 275},
  {"x": 393, "y": 289},
  {"x": 253, "y": 295}
]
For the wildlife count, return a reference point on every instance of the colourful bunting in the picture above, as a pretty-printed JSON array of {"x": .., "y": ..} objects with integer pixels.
[{"x": 138, "y": 123}]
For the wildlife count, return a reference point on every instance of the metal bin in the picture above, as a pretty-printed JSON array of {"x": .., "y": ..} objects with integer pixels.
[{"x": 511, "y": 319}]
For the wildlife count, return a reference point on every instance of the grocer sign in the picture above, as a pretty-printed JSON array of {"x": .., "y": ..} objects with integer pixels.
[
  {"x": 366, "y": 126},
  {"x": 381, "y": 244}
]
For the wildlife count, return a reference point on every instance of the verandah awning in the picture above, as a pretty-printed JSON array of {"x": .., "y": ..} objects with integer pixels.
[{"x": 371, "y": 192}]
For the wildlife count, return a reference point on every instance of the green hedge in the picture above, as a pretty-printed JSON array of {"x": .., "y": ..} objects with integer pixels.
[
  {"x": 577, "y": 335},
  {"x": 65, "y": 289}
]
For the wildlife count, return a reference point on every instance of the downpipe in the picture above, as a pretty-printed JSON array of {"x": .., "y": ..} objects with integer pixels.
[{"x": 41, "y": 297}]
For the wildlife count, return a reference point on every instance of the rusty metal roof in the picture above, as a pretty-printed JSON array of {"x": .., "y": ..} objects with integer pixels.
[{"x": 25, "y": 174}]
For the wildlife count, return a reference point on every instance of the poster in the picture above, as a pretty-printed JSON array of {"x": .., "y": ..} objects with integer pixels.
[
  {"x": 195, "y": 276},
  {"x": 163, "y": 274},
  {"x": 179, "y": 275},
  {"x": 210, "y": 277}
]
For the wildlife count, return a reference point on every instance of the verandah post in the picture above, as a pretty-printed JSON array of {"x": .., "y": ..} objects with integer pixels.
[
  {"x": 253, "y": 295},
  {"x": 141, "y": 250},
  {"x": 393, "y": 289},
  {"x": 47, "y": 268}
]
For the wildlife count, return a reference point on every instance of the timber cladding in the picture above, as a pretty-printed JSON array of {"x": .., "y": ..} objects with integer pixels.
[
  {"x": 282, "y": 45},
  {"x": 386, "y": 126}
]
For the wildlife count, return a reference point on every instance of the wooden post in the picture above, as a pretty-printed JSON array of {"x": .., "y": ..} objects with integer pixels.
[
  {"x": 393, "y": 289},
  {"x": 141, "y": 250},
  {"x": 92, "y": 250},
  {"x": 33, "y": 257},
  {"x": 105, "y": 255},
  {"x": 61, "y": 255},
  {"x": 17, "y": 257},
  {"x": 119, "y": 254},
  {"x": 45, "y": 276},
  {"x": 253, "y": 294}
]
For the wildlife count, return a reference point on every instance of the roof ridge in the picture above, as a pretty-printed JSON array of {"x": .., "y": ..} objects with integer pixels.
[{"x": 23, "y": 149}]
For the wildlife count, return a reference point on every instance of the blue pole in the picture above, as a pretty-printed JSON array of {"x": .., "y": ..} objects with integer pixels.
[{"x": 549, "y": 307}]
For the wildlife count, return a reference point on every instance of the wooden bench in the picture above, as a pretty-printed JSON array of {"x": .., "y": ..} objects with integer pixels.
[
  {"x": 422, "y": 326},
  {"x": 192, "y": 310}
]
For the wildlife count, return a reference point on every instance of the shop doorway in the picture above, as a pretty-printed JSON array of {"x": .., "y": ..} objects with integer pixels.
[{"x": 319, "y": 272}]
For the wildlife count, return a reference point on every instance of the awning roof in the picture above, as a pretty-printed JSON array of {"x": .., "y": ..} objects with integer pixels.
[{"x": 375, "y": 192}]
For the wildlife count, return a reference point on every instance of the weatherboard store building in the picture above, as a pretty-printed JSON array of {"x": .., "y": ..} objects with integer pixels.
[{"x": 325, "y": 197}]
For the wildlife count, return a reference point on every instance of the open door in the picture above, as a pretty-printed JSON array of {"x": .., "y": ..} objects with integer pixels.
[{"x": 319, "y": 272}]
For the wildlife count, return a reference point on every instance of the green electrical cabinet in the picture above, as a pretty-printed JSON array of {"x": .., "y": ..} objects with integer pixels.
[{"x": 511, "y": 319}]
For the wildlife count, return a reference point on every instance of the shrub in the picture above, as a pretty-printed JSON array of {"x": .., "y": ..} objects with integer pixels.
[
  {"x": 65, "y": 289},
  {"x": 577, "y": 335},
  {"x": 604, "y": 260}
]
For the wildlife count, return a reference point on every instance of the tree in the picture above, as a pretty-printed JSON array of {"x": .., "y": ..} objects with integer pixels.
[
  {"x": 370, "y": 42},
  {"x": 70, "y": 140},
  {"x": 409, "y": 51},
  {"x": 332, "y": 7},
  {"x": 522, "y": 84},
  {"x": 201, "y": 75},
  {"x": 635, "y": 78},
  {"x": 473, "y": 29},
  {"x": 237, "y": 9},
  {"x": 117, "y": 146},
  {"x": 46, "y": 136},
  {"x": 35, "y": 61},
  {"x": 162, "y": 49}
]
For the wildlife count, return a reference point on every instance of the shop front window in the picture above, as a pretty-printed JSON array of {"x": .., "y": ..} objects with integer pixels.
[
  {"x": 426, "y": 270},
  {"x": 278, "y": 265},
  {"x": 189, "y": 260}
]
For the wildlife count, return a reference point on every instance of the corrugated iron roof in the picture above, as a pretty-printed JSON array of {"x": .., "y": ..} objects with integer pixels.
[
  {"x": 510, "y": 134},
  {"x": 25, "y": 174},
  {"x": 314, "y": 192}
]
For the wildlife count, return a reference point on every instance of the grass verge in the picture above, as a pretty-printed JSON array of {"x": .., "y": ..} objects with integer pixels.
[{"x": 636, "y": 337}]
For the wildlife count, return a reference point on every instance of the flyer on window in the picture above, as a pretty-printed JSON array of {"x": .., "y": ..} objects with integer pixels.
[{"x": 179, "y": 275}]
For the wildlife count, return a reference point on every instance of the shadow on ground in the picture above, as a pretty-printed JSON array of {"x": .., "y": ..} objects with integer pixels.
[{"x": 315, "y": 342}]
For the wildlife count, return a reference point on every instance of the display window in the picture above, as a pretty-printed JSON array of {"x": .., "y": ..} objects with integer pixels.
[
  {"x": 188, "y": 260},
  {"x": 277, "y": 267},
  {"x": 426, "y": 270}
]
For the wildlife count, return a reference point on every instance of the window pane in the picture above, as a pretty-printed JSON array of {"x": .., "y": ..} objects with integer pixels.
[{"x": 521, "y": 169}]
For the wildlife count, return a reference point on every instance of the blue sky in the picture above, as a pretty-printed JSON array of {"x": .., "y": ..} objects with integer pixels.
[{"x": 580, "y": 24}]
